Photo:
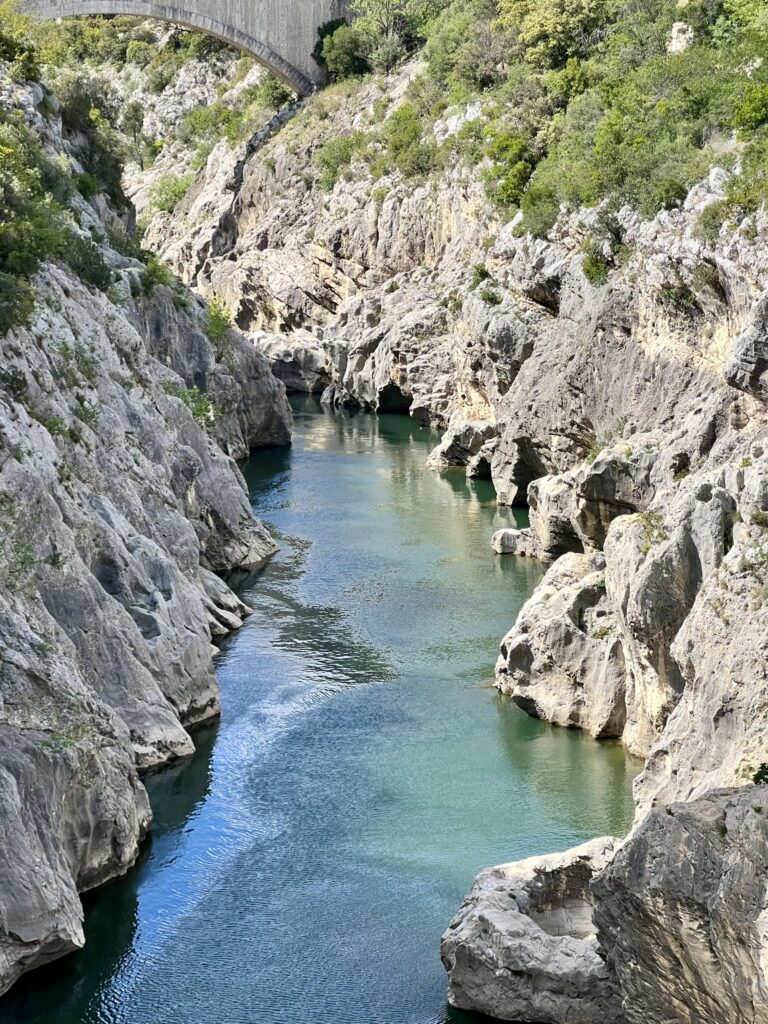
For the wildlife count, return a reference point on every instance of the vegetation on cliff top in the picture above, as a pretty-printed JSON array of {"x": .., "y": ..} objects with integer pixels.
[
  {"x": 561, "y": 103},
  {"x": 580, "y": 100}
]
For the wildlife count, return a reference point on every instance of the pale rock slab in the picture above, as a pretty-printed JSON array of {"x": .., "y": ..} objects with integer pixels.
[{"x": 523, "y": 946}]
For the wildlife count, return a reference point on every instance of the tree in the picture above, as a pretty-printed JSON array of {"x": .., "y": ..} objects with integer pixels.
[
  {"x": 553, "y": 30},
  {"x": 390, "y": 27},
  {"x": 274, "y": 93},
  {"x": 17, "y": 45},
  {"x": 218, "y": 327},
  {"x": 342, "y": 53},
  {"x": 132, "y": 125}
]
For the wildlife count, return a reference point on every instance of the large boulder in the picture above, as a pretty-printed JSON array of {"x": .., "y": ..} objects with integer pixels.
[
  {"x": 523, "y": 946},
  {"x": 563, "y": 660}
]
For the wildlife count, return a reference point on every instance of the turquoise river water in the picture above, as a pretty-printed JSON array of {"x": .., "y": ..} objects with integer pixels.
[{"x": 303, "y": 866}]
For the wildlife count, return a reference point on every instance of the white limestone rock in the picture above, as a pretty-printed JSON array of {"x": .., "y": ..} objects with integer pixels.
[
  {"x": 563, "y": 660},
  {"x": 523, "y": 946},
  {"x": 514, "y": 542}
]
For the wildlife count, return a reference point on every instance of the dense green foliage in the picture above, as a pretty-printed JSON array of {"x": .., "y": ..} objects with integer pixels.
[
  {"x": 337, "y": 154},
  {"x": 591, "y": 104},
  {"x": 581, "y": 100},
  {"x": 342, "y": 53},
  {"x": 233, "y": 119},
  {"x": 168, "y": 192},
  {"x": 34, "y": 223}
]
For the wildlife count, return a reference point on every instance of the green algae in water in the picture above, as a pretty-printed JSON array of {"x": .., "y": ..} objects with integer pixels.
[{"x": 303, "y": 867}]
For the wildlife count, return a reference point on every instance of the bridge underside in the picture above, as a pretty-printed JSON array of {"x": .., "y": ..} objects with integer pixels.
[{"x": 279, "y": 34}]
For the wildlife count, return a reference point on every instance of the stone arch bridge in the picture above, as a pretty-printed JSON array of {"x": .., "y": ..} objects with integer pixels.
[{"x": 280, "y": 34}]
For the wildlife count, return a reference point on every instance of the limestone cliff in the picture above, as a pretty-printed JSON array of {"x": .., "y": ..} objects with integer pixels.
[{"x": 119, "y": 503}]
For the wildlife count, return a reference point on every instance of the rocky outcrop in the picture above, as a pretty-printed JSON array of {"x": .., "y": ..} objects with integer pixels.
[
  {"x": 682, "y": 912},
  {"x": 298, "y": 360},
  {"x": 523, "y": 946},
  {"x": 563, "y": 660},
  {"x": 249, "y": 402}
]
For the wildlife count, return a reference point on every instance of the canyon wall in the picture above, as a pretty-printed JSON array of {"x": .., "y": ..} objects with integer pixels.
[
  {"x": 626, "y": 409},
  {"x": 120, "y": 503}
]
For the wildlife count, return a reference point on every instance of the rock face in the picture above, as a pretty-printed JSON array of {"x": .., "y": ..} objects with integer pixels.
[
  {"x": 682, "y": 912},
  {"x": 297, "y": 360},
  {"x": 563, "y": 660},
  {"x": 523, "y": 946},
  {"x": 117, "y": 508},
  {"x": 115, "y": 505}
]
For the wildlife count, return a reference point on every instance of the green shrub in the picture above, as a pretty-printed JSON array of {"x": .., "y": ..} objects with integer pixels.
[
  {"x": 595, "y": 266},
  {"x": 403, "y": 133},
  {"x": 79, "y": 96},
  {"x": 17, "y": 303},
  {"x": 218, "y": 326},
  {"x": 140, "y": 53},
  {"x": 480, "y": 273},
  {"x": 711, "y": 219},
  {"x": 86, "y": 260},
  {"x": 156, "y": 275},
  {"x": 86, "y": 185},
  {"x": 464, "y": 49},
  {"x": 511, "y": 168},
  {"x": 552, "y": 30},
  {"x": 343, "y": 53},
  {"x": 680, "y": 297},
  {"x": 752, "y": 112},
  {"x": 17, "y": 44},
  {"x": 198, "y": 403},
  {"x": 273, "y": 92},
  {"x": 126, "y": 244},
  {"x": 166, "y": 194},
  {"x": 203, "y": 122},
  {"x": 337, "y": 154}
]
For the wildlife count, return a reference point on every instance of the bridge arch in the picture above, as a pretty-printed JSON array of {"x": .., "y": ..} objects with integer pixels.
[{"x": 280, "y": 34}]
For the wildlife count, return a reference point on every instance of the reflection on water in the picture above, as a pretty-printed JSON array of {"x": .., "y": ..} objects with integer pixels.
[{"x": 305, "y": 863}]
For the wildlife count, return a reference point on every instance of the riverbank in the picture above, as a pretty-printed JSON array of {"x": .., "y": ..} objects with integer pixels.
[{"x": 306, "y": 861}]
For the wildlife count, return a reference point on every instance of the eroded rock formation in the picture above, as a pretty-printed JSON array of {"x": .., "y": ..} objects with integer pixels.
[
  {"x": 523, "y": 945},
  {"x": 119, "y": 501}
]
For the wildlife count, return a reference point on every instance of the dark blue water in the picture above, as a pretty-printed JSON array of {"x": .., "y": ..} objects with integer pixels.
[{"x": 304, "y": 865}]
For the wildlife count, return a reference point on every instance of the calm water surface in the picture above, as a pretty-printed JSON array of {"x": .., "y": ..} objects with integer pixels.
[{"x": 304, "y": 865}]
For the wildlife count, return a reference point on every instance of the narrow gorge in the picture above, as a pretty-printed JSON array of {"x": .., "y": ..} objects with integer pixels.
[{"x": 509, "y": 265}]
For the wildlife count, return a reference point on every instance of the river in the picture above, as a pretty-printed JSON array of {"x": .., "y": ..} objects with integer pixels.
[{"x": 303, "y": 866}]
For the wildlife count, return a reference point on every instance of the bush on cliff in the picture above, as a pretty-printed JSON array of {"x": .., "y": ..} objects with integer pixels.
[
  {"x": 17, "y": 44},
  {"x": 34, "y": 226},
  {"x": 343, "y": 53},
  {"x": 584, "y": 100}
]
